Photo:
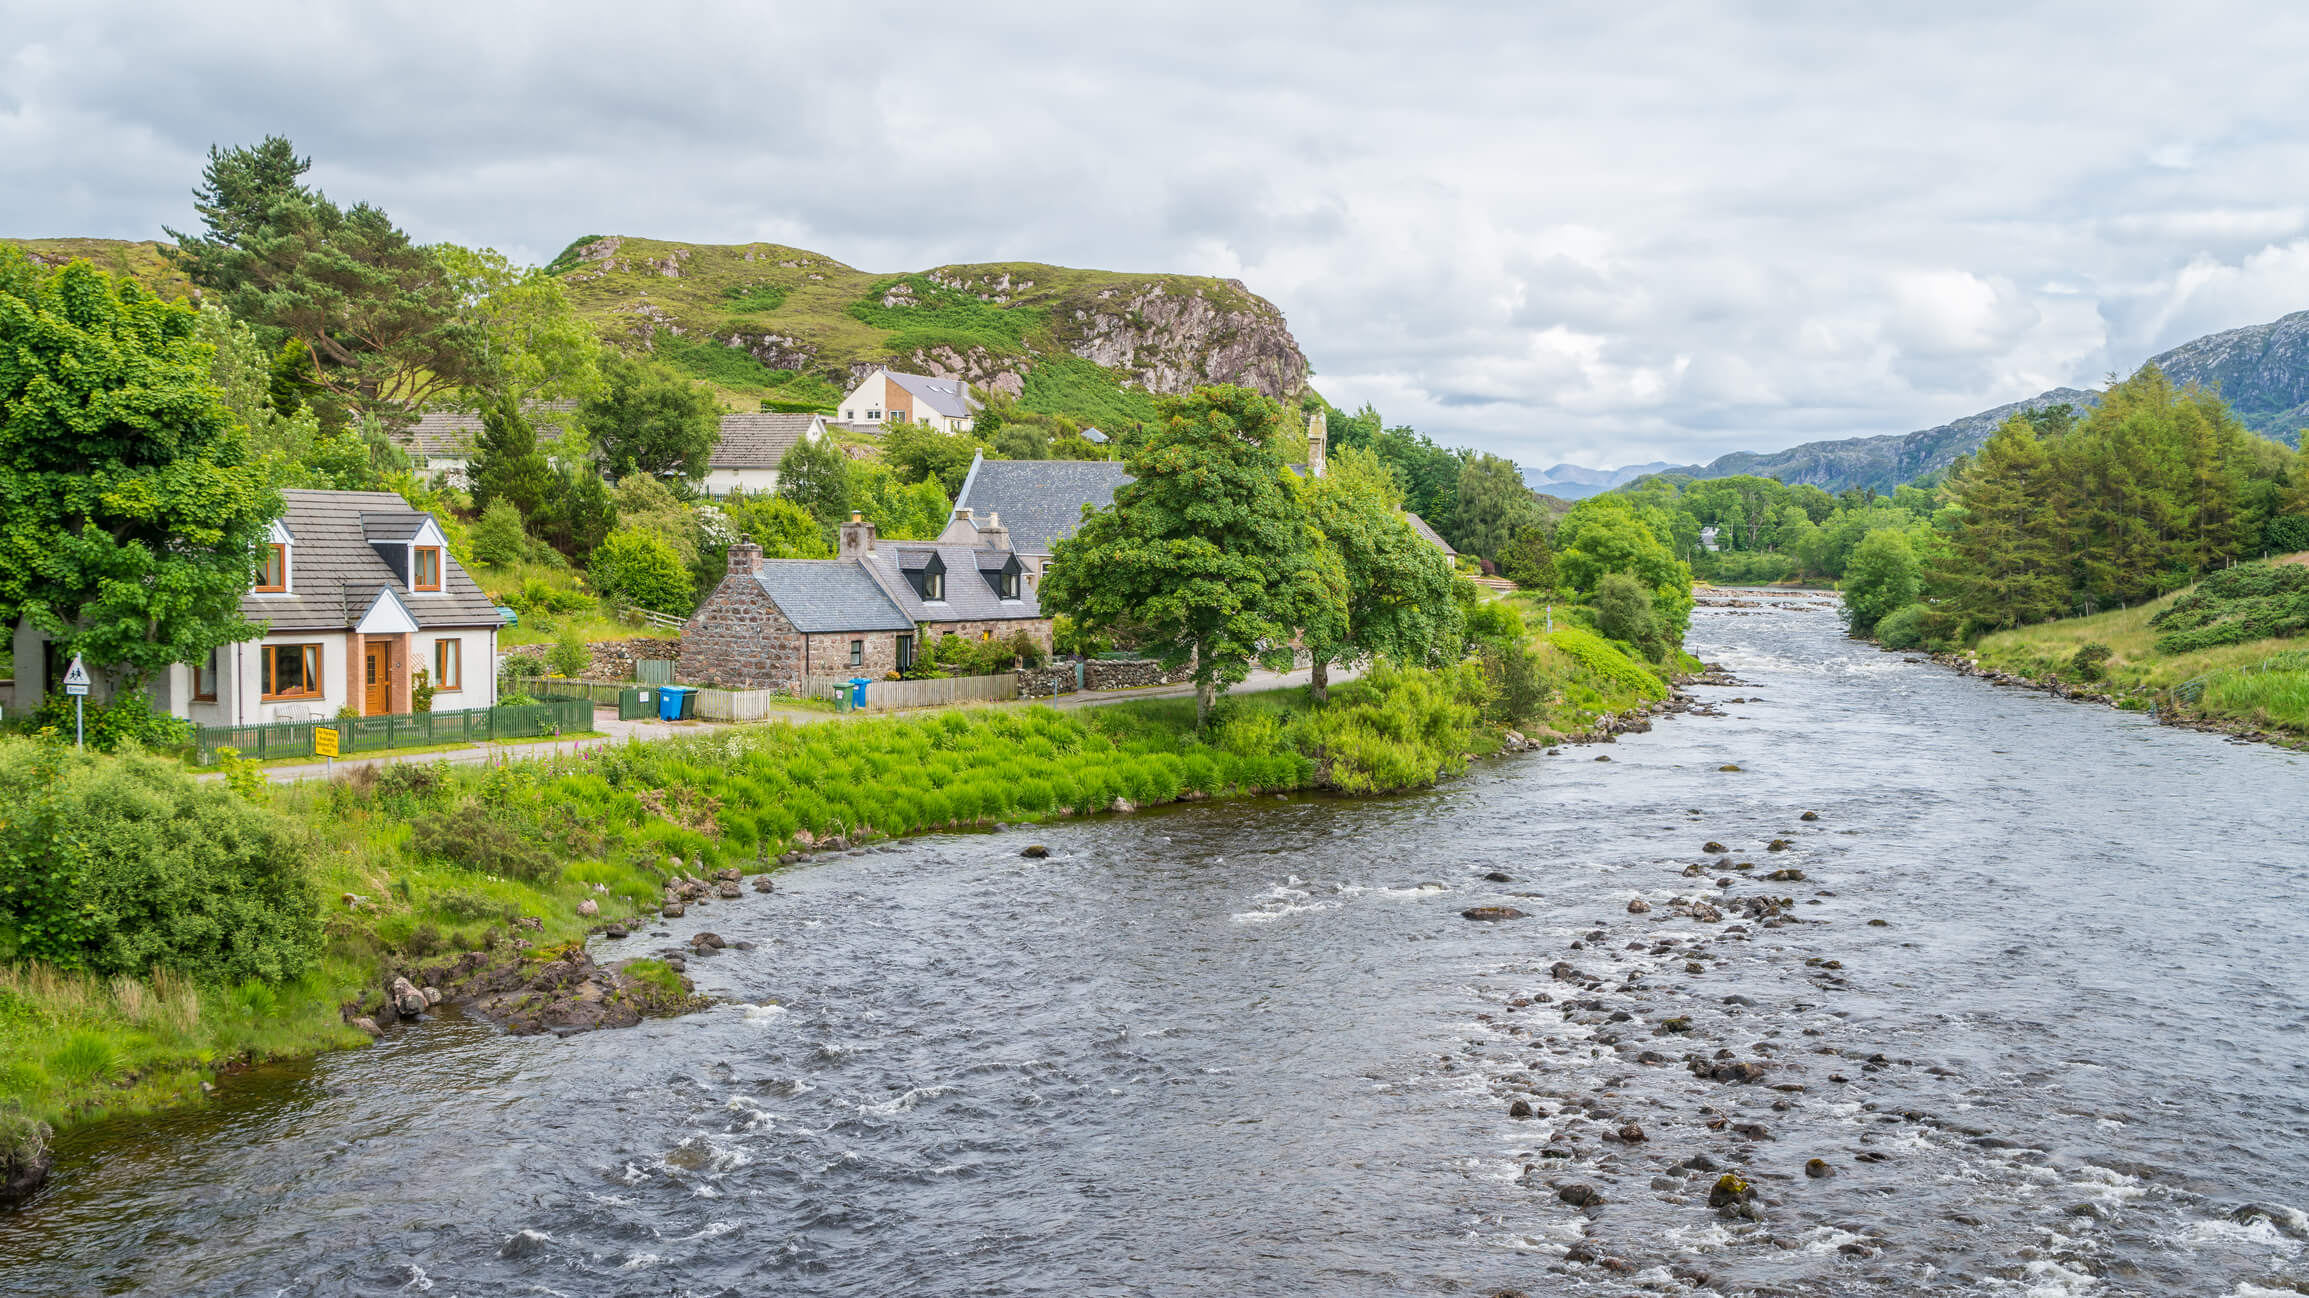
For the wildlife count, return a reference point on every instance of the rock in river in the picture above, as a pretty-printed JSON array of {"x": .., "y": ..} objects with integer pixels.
[{"x": 1490, "y": 913}]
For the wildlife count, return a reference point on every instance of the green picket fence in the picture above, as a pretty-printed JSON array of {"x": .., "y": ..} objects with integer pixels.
[{"x": 560, "y": 716}]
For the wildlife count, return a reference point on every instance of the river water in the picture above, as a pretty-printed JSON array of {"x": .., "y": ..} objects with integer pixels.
[{"x": 1252, "y": 1048}]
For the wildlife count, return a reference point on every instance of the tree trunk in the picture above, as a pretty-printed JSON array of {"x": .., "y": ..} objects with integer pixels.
[
  {"x": 1319, "y": 687},
  {"x": 1206, "y": 698}
]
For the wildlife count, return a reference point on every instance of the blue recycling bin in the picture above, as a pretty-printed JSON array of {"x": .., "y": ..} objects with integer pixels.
[
  {"x": 858, "y": 686},
  {"x": 671, "y": 700}
]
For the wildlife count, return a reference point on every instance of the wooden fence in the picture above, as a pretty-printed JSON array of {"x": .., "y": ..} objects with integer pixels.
[
  {"x": 603, "y": 693},
  {"x": 399, "y": 730},
  {"x": 890, "y": 696}
]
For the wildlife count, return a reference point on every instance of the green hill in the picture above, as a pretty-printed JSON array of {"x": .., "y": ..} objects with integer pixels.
[
  {"x": 139, "y": 259},
  {"x": 763, "y": 321}
]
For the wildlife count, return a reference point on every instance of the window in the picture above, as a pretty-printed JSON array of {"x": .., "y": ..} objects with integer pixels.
[
  {"x": 292, "y": 671},
  {"x": 428, "y": 568},
  {"x": 897, "y": 416},
  {"x": 204, "y": 679},
  {"x": 905, "y": 653},
  {"x": 857, "y": 653},
  {"x": 274, "y": 578},
  {"x": 873, "y": 414},
  {"x": 934, "y": 585},
  {"x": 448, "y": 664},
  {"x": 1010, "y": 584}
]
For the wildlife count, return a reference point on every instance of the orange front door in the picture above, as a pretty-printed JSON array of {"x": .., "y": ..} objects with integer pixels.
[{"x": 377, "y": 678}]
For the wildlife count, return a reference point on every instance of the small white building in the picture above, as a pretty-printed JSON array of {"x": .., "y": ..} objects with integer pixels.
[
  {"x": 751, "y": 448},
  {"x": 356, "y": 592},
  {"x": 888, "y": 397}
]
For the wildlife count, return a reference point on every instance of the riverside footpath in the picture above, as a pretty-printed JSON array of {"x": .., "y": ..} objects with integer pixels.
[{"x": 610, "y": 730}]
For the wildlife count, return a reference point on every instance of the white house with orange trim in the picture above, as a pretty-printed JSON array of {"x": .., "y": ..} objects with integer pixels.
[
  {"x": 357, "y": 592},
  {"x": 888, "y": 397}
]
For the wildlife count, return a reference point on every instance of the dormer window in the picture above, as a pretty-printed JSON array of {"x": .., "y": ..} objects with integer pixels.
[
  {"x": 1008, "y": 587},
  {"x": 273, "y": 575},
  {"x": 427, "y": 568},
  {"x": 934, "y": 586}
]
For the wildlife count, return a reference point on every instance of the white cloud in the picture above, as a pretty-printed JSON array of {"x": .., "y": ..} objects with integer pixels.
[{"x": 1604, "y": 234}]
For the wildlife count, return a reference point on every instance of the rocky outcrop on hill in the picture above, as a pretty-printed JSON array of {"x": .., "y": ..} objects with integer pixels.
[{"x": 1171, "y": 343}]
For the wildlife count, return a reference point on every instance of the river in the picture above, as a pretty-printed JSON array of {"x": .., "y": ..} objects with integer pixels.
[{"x": 1252, "y": 1048}]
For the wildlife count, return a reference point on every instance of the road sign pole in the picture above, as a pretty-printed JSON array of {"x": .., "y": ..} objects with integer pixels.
[{"x": 76, "y": 685}]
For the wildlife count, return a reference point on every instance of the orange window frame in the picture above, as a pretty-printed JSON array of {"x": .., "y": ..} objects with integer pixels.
[
  {"x": 308, "y": 659},
  {"x": 448, "y": 664},
  {"x": 427, "y": 555},
  {"x": 273, "y": 578}
]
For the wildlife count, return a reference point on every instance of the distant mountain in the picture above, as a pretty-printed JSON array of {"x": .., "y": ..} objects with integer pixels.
[
  {"x": 2262, "y": 371},
  {"x": 1887, "y": 461},
  {"x": 1571, "y": 482}
]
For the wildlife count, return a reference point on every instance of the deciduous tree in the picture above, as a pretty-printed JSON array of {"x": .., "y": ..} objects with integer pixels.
[
  {"x": 131, "y": 514},
  {"x": 1206, "y": 553}
]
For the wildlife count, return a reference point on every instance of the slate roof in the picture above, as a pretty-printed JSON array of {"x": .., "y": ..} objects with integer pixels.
[
  {"x": 948, "y": 397},
  {"x": 452, "y": 432},
  {"x": 820, "y": 596},
  {"x": 335, "y": 573},
  {"x": 758, "y": 441},
  {"x": 969, "y": 586},
  {"x": 1430, "y": 535},
  {"x": 1040, "y": 501}
]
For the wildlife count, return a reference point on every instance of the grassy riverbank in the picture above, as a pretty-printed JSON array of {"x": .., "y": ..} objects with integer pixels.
[
  {"x": 2256, "y": 684},
  {"x": 395, "y": 865}
]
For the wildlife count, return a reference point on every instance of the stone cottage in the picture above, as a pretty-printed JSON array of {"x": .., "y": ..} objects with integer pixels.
[{"x": 776, "y": 623}]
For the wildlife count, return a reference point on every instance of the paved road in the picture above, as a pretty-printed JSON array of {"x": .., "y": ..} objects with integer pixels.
[{"x": 614, "y": 731}]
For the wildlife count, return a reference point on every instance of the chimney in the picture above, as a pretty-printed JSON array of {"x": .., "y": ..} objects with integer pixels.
[
  {"x": 962, "y": 514},
  {"x": 994, "y": 536},
  {"x": 745, "y": 558},
  {"x": 857, "y": 536},
  {"x": 1318, "y": 435}
]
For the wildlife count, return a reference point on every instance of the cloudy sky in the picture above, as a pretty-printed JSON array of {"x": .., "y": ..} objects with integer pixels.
[{"x": 1602, "y": 233}]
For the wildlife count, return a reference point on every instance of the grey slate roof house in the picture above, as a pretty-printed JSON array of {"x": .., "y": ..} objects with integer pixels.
[
  {"x": 751, "y": 448},
  {"x": 441, "y": 441},
  {"x": 1041, "y": 501},
  {"x": 1038, "y": 501},
  {"x": 357, "y": 592},
  {"x": 776, "y": 623}
]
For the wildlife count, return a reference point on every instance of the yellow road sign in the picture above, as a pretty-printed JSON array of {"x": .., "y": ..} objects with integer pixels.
[{"x": 324, "y": 742}]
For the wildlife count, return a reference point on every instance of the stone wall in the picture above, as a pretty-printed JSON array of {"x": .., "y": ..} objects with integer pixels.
[
  {"x": 1044, "y": 682},
  {"x": 829, "y": 654},
  {"x": 740, "y": 640},
  {"x": 1130, "y": 673},
  {"x": 1038, "y": 627},
  {"x": 612, "y": 660}
]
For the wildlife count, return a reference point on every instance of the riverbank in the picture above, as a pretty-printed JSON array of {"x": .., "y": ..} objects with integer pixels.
[
  {"x": 2257, "y": 689},
  {"x": 482, "y": 885}
]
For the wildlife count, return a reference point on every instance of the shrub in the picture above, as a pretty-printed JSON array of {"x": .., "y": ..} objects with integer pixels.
[
  {"x": 1905, "y": 628},
  {"x": 500, "y": 537},
  {"x": 2090, "y": 661},
  {"x": 2286, "y": 534},
  {"x": 642, "y": 568},
  {"x": 127, "y": 717},
  {"x": 1623, "y": 612},
  {"x": 486, "y": 840},
  {"x": 568, "y": 656},
  {"x": 2253, "y": 601},
  {"x": 117, "y": 866}
]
